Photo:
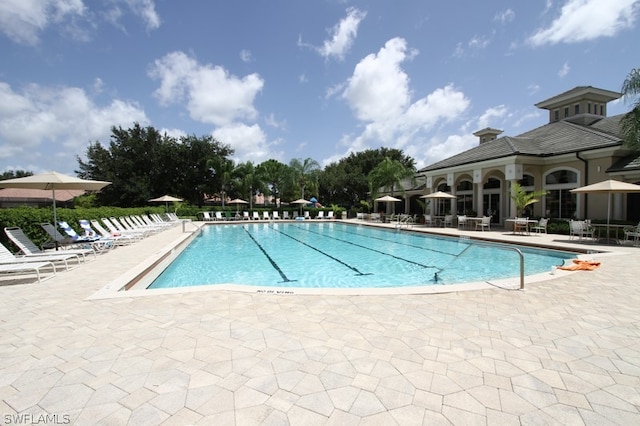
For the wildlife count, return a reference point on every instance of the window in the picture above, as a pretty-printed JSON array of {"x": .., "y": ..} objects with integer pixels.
[
  {"x": 577, "y": 109},
  {"x": 566, "y": 111},
  {"x": 464, "y": 192},
  {"x": 526, "y": 181},
  {"x": 559, "y": 201},
  {"x": 589, "y": 107},
  {"x": 556, "y": 115}
]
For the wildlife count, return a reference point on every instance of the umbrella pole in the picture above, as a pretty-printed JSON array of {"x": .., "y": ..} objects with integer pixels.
[{"x": 55, "y": 217}]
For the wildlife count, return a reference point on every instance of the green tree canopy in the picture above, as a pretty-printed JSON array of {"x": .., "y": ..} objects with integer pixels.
[
  {"x": 141, "y": 164},
  {"x": 274, "y": 174},
  {"x": 304, "y": 174},
  {"x": 630, "y": 123}
]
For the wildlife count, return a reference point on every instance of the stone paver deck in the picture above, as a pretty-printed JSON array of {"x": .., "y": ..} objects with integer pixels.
[{"x": 563, "y": 351}]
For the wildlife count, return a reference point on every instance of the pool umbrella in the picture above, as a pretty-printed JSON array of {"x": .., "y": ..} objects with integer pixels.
[
  {"x": 387, "y": 199},
  {"x": 609, "y": 187},
  {"x": 52, "y": 181},
  {"x": 438, "y": 195},
  {"x": 302, "y": 202},
  {"x": 237, "y": 202},
  {"x": 166, "y": 199}
]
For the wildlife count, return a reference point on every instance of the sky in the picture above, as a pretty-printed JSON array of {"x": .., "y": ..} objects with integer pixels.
[{"x": 299, "y": 79}]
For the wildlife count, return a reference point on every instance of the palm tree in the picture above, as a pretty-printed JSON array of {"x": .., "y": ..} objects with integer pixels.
[
  {"x": 522, "y": 198},
  {"x": 630, "y": 123},
  {"x": 388, "y": 176},
  {"x": 304, "y": 173}
]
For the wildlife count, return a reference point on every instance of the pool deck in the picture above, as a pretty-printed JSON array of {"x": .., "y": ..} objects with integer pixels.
[{"x": 566, "y": 350}]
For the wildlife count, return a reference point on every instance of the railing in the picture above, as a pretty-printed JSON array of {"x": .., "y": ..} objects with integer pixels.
[{"x": 504, "y": 247}]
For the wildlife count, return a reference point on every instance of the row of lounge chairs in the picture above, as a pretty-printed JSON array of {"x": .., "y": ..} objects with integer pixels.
[
  {"x": 73, "y": 249},
  {"x": 275, "y": 215}
]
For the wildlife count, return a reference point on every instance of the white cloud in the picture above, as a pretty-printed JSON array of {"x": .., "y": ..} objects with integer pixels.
[
  {"x": 61, "y": 120},
  {"x": 485, "y": 120},
  {"x": 24, "y": 20},
  {"x": 146, "y": 10},
  {"x": 505, "y": 16},
  {"x": 379, "y": 95},
  {"x": 174, "y": 133},
  {"x": 211, "y": 94},
  {"x": 249, "y": 142},
  {"x": 582, "y": 20},
  {"x": 271, "y": 121},
  {"x": 564, "y": 70},
  {"x": 342, "y": 35},
  {"x": 245, "y": 55}
]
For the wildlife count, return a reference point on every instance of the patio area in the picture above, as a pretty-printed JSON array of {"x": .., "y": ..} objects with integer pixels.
[{"x": 563, "y": 351}]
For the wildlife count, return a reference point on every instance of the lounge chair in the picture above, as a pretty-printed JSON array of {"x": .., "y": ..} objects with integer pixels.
[
  {"x": 56, "y": 239},
  {"x": 245, "y": 215},
  {"x": 206, "y": 216},
  {"x": 25, "y": 268},
  {"x": 218, "y": 216},
  {"x": 265, "y": 215},
  {"x": 256, "y": 216},
  {"x": 8, "y": 258},
  {"x": 117, "y": 237},
  {"x": 116, "y": 232},
  {"x": 320, "y": 215},
  {"x": 29, "y": 248},
  {"x": 276, "y": 215},
  {"x": 329, "y": 215},
  {"x": 285, "y": 215},
  {"x": 96, "y": 244}
]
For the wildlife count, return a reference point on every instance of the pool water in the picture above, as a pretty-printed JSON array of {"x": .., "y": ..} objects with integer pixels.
[{"x": 337, "y": 255}]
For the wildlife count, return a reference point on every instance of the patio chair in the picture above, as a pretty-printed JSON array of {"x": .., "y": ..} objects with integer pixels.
[
  {"x": 8, "y": 258},
  {"x": 25, "y": 268},
  {"x": 329, "y": 215},
  {"x": 484, "y": 223},
  {"x": 56, "y": 239},
  {"x": 428, "y": 220},
  {"x": 117, "y": 237},
  {"x": 256, "y": 216},
  {"x": 462, "y": 222},
  {"x": 245, "y": 215},
  {"x": 306, "y": 215},
  {"x": 276, "y": 215},
  {"x": 97, "y": 244},
  {"x": 320, "y": 215},
  {"x": 521, "y": 225},
  {"x": 580, "y": 229},
  {"x": 285, "y": 215},
  {"x": 541, "y": 226},
  {"x": 29, "y": 248},
  {"x": 206, "y": 216},
  {"x": 448, "y": 220},
  {"x": 218, "y": 216},
  {"x": 265, "y": 215},
  {"x": 632, "y": 234}
]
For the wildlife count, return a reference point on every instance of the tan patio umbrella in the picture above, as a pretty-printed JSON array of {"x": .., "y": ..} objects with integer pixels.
[
  {"x": 166, "y": 199},
  {"x": 52, "y": 181},
  {"x": 438, "y": 195},
  {"x": 237, "y": 202},
  {"x": 609, "y": 187},
  {"x": 388, "y": 199},
  {"x": 302, "y": 202}
]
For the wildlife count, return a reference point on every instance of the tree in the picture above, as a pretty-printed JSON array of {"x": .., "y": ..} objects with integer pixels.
[
  {"x": 630, "y": 122},
  {"x": 388, "y": 175},
  {"x": 12, "y": 174},
  {"x": 304, "y": 173},
  {"x": 141, "y": 164},
  {"x": 522, "y": 198},
  {"x": 274, "y": 174},
  {"x": 346, "y": 182}
]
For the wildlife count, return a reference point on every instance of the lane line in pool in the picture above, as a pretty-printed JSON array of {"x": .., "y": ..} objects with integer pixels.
[
  {"x": 353, "y": 268},
  {"x": 374, "y": 250},
  {"x": 273, "y": 262},
  {"x": 402, "y": 244}
]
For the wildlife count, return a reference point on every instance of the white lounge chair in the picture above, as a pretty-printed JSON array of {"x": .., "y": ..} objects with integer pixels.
[
  {"x": 245, "y": 215},
  {"x": 256, "y": 216},
  {"x": 329, "y": 215},
  {"x": 25, "y": 268},
  {"x": 117, "y": 237},
  {"x": 29, "y": 248},
  {"x": 285, "y": 215},
  {"x": 320, "y": 215},
  {"x": 265, "y": 215},
  {"x": 97, "y": 244},
  {"x": 276, "y": 215},
  {"x": 8, "y": 258}
]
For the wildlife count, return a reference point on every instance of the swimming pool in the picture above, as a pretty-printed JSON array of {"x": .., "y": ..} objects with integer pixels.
[{"x": 338, "y": 255}]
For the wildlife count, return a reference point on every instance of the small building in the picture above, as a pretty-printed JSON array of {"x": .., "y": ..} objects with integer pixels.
[
  {"x": 19, "y": 197},
  {"x": 580, "y": 145}
]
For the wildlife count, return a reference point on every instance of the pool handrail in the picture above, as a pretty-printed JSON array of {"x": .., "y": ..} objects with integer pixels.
[{"x": 502, "y": 246}]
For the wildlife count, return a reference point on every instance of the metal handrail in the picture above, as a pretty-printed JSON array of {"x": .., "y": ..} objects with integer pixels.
[{"x": 505, "y": 247}]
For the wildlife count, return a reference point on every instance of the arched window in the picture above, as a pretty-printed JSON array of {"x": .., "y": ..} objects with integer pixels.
[
  {"x": 464, "y": 192},
  {"x": 559, "y": 202}
]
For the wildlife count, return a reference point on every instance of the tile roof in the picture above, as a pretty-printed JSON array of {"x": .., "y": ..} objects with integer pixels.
[{"x": 550, "y": 139}]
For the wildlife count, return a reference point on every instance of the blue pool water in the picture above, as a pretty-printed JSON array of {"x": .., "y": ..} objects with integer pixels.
[{"x": 323, "y": 255}]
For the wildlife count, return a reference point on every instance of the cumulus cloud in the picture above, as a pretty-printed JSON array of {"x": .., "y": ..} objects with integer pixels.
[
  {"x": 249, "y": 142},
  {"x": 505, "y": 16},
  {"x": 564, "y": 70},
  {"x": 583, "y": 20},
  {"x": 24, "y": 20},
  {"x": 342, "y": 36},
  {"x": 490, "y": 114},
  {"x": 212, "y": 95},
  {"x": 62, "y": 120},
  {"x": 380, "y": 96},
  {"x": 245, "y": 55}
]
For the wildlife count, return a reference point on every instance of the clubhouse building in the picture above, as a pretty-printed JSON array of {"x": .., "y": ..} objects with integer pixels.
[{"x": 580, "y": 145}]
